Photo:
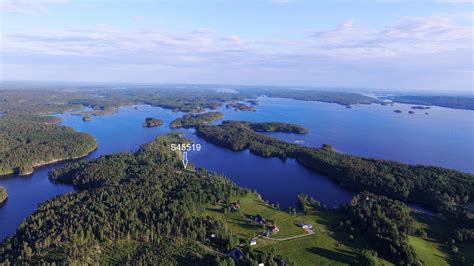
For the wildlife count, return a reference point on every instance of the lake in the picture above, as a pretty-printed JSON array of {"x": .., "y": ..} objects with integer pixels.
[{"x": 444, "y": 138}]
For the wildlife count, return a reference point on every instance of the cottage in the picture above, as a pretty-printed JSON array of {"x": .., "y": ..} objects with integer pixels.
[
  {"x": 259, "y": 219},
  {"x": 306, "y": 226},
  {"x": 274, "y": 228},
  {"x": 235, "y": 206},
  {"x": 253, "y": 241}
]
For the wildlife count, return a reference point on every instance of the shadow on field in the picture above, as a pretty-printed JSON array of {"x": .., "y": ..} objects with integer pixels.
[{"x": 331, "y": 255}]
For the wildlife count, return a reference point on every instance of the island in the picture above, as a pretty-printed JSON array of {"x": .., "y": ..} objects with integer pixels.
[
  {"x": 455, "y": 102},
  {"x": 269, "y": 126},
  {"x": 152, "y": 122},
  {"x": 31, "y": 141},
  {"x": 190, "y": 120},
  {"x": 440, "y": 188},
  {"x": 241, "y": 107},
  {"x": 3, "y": 194}
]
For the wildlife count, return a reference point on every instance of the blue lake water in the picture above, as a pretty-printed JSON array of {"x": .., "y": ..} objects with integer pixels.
[{"x": 445, "y": 138}]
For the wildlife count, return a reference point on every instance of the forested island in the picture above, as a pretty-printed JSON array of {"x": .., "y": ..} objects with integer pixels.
[
  {"x": 440, "y": 188},
  {"x": 152, "y": 122},
  {"x": 189, "y": 120},
  {"x": 269, "y": 126},
  {"x": 3, "y": 194},
  {"x": 28, "y": 141},
  {"x": 241, "y": 107},
  {"x": 455, "y": 102}
]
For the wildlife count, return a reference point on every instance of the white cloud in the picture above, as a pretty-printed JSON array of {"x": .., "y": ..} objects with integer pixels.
[
  {"x": 408, "y": 36},
  {"x": 414, "y": 48},
  {"x": 26, "y": 6}
]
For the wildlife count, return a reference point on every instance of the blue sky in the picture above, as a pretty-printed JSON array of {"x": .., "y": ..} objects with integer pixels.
[{"x": 406, "y": 45}]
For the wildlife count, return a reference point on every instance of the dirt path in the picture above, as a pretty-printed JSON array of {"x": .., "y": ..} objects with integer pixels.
[{"x": 309, "y": 232}]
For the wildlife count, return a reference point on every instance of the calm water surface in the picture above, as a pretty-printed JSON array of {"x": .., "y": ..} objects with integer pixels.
[{"x": 444, "y": 138}]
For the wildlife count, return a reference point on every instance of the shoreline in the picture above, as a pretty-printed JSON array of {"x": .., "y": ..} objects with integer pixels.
[
  {"x": 40, "y": 164},
  {"x": 4, "y": 195}
]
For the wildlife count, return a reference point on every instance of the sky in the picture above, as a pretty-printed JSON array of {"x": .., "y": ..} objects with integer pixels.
[{"x": 424, "y": 45}]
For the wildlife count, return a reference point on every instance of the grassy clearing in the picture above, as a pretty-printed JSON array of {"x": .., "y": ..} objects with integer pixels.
[
  {"x": 429, "y": 252},
  {"x": 325, "y": 247},
  {"x": 434, "y": 250}
]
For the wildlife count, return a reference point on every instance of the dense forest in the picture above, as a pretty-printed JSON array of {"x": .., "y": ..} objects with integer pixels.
[
  {"x": 385, "y": 223},
  {"x": 131, "y": 208},
  {"x": 189, "y": 120},
  {"x": 440, "y": 188},
  {"x": 152, "y": 122},
  {"x": 455, "y": 102},
  {"x": 3, "y": 194},
  {"x": 271, "y": 126},
  {"x": 27, "y": 141}
]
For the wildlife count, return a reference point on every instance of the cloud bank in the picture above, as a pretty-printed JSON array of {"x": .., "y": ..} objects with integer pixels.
[{"x": 417, "y": 47}]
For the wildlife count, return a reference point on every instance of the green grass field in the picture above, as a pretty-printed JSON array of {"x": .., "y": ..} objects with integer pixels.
[
  {"x": 325, "y": 247},
  {"x": 429, "y": 252}
]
